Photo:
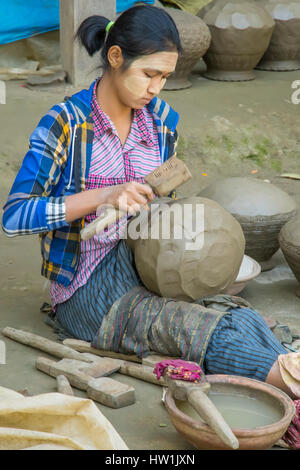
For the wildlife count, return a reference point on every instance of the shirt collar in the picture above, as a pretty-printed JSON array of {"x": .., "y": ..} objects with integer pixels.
[
  {"x": 164, "y": 112},
  {"x": 102, "y": 122},
  {"x": 141, "y": 120},
  {"x": 159, "y": 108}
]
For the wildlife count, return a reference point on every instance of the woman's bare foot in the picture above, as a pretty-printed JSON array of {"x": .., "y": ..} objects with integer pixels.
[{"x": 274, "y": 378}]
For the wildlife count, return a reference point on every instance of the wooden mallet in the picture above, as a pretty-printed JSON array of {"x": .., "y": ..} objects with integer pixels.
[{"x": 163, "y": 180}]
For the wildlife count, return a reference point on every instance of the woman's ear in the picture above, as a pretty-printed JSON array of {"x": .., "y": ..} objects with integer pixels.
[{"x": 115, "y": 57}]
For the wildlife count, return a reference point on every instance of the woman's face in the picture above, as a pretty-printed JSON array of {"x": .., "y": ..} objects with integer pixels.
[{"x": 145, "y": 78}]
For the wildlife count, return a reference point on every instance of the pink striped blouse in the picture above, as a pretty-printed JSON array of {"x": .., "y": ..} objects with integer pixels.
[{"x": 111, "y": 164}]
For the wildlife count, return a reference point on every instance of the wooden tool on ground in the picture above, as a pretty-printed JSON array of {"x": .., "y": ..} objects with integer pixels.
[
  {"x": 91, "y": 378},
  {"x": 163, "y": 180},
  {"x": 124, "y": 363},
  {"x": 138, "y": 371},
  {"x": 63, "y": 385},
  {"x": 85, "y": 347},
  {"x": 73, "y": 370},
  {"x": 196, "y": 395},
  {"x": 141, "y": 372},
  {"x": 44, "y": 344}
]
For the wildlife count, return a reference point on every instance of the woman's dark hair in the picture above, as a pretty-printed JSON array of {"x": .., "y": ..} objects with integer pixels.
[{"x": 140, "y": 30}]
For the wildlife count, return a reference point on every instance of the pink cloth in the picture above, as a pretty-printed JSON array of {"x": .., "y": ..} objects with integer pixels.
[
  {"x": 179, "y": 370},
  {"x": 292, "y": 435},
  {"x": 112, "y": 164}
]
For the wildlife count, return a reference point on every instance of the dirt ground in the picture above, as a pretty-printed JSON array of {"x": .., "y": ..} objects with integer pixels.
[{"x": 226, "y": 129}]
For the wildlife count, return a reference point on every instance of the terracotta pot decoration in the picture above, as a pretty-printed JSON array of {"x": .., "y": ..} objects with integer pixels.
[
  {"x": 283, "y": 52},
  {"x": 241, "y": 31},
  {"x": 261, "y": 208},
  {"x": 258, "y": 414},
  {"x": 195, "y": 39},
  {"x": 289, "y": 239},
  {"x": 191, "y": 248}
]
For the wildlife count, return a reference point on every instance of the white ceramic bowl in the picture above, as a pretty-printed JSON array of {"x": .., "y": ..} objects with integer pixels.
[{"x": 249, "y": 270}]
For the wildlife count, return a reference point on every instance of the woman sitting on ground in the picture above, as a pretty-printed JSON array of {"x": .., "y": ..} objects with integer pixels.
[{"x": 96, "y": 148}]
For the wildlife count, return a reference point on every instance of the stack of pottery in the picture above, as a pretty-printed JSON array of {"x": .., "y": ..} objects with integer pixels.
[
  {"x": 283, "y": 52},
  {"x": 241, "y": 31},
  {"x": 195, "y": 39},
  {"x": 187, "y": 248},
  {"x": 289, "y": 239},
  {"x": 261, "y": 208}
]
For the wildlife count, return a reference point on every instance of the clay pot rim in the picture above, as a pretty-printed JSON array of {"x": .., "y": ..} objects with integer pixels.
[
  {"x": 284, "y": 244},
  {"x": 289, "y": 223},
  {"x": 262, "y": 218},
  {"x": 285, "y": 400},
  {"x": 252, "y": 28}
]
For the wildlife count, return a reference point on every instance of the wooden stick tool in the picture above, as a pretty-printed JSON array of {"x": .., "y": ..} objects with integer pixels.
[
  {"x": 43, "y": 344},
  {"x": 163, "y": 180}
]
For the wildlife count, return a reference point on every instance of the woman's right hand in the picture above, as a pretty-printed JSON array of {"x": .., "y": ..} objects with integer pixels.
[{"x": 129, "y": 197}]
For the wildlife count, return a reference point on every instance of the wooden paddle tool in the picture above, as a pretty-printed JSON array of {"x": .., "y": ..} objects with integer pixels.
[
  {"x": 196, "y": 394},
  {"x": 163, "y": 180},
  {"x": 91, "y": 378}
]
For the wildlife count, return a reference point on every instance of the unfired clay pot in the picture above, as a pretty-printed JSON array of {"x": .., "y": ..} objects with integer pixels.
[
  {"x": 195, "y": 39},
  {"x": 201, "y": 254},
  {"x": 289, "y": 239},
  {"x": 264, "y": 437},
  {"x": 241, "y": 31},
  {"x": 283, "y": 52},
  {"x": 261, "y": 208}
]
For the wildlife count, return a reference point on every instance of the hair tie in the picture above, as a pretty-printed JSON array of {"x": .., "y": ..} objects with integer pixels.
[{"x": 108, "y": 26}]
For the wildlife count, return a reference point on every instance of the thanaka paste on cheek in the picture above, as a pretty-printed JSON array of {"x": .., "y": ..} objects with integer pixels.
[{"x": 137, "y": 84}]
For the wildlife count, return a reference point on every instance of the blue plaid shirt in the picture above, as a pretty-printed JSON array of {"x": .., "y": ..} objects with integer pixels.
[{"x": 57, "y": 165}]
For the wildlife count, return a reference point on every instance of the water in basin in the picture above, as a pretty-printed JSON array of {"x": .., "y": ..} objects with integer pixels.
[{"x": 239, "y": 411}]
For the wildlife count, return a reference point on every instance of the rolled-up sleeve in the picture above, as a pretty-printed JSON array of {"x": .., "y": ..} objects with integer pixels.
[{"x": 32, "y": 206}]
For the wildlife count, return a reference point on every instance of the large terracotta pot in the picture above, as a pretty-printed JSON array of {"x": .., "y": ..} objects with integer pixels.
[
  {"x": 283, "y": 52},
  {"x": 195, "y": 39},
  {"x": 259, "y": 438},
  {"x": 289, "y": 239},
  {"x": 261, "y": 208},
  {"x": 241, "y": 31},
  {"x": 170, "y": 264}
]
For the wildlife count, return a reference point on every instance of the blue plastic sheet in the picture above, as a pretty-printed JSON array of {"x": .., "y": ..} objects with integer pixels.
[
  {"x": 24, "y": 18},
  {"x": 21, "y": 19},
  {"x": 122, "y": 5}
]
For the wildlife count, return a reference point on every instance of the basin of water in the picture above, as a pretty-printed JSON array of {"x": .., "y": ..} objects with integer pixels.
[{"x": 258, "y": 413}]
